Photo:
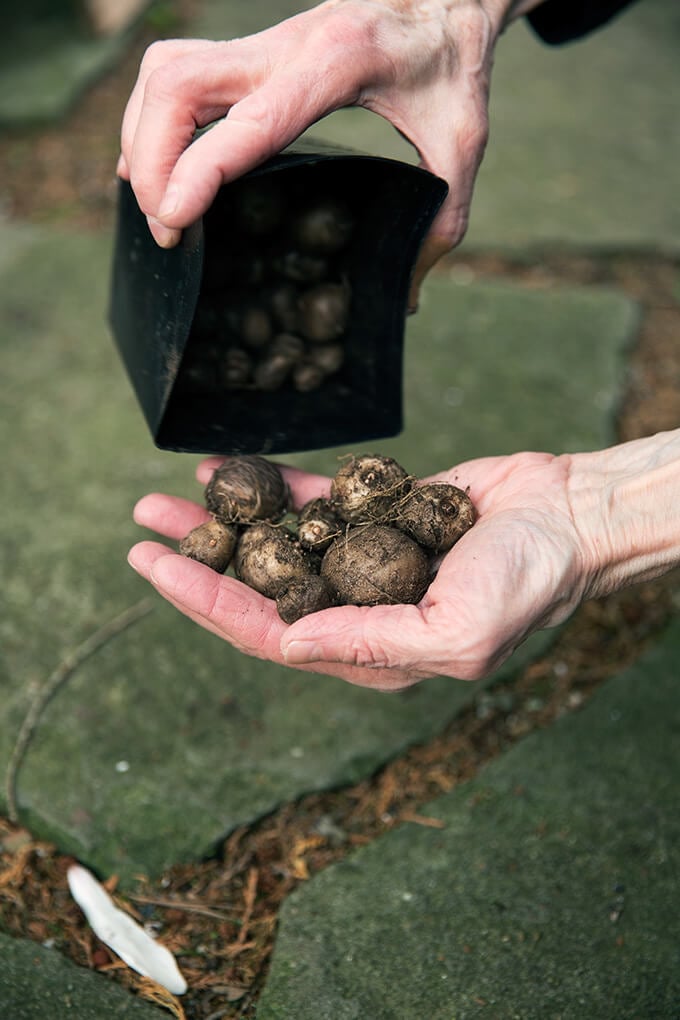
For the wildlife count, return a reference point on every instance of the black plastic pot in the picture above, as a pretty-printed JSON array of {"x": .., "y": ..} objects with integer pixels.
[{"x": 172, "y": 310}]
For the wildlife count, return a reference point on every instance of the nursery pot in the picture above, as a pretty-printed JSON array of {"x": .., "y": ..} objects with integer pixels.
[{"x": 172, "y": 310}]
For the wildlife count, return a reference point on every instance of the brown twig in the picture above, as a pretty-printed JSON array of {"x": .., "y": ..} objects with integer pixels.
[
  {"x": 156, "y": 993},
  {"x": 417, "y": 819},
  {"x": 171, "y": 904},
  {"x": 249, "y": 896}
]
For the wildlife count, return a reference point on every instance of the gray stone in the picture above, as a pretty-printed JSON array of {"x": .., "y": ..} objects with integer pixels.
[
  {"x": 550, "y": 892},
  {"x": 14, "y": 238},
  {"x": 36, "y": 983},
  {"x": 45, "y": 65},
  {"x": 582, "y": 150},
  {"x": 166, "y": 738},
  {"x": 492, "y": 368},
  {"x": 231, "y": 19}
]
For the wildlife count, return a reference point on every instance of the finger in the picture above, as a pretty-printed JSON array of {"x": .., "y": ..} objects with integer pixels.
[
  {"x": 143, "y": 555},
  {"x": 238, "y": 614},
  {"x": 182, "y": 179},
  {"x": 304, "y": 486},
  {"x": 144, "y": 559},
  {"x": 169, "y": 515},
  {"x": 271, "y": 87},
  {"x": 221, "y": 604},
  {"x": 157, "y": 55},
  {"x": 454, "y": 152},
  {"x": 207, "y": 467},
  {"x": 447, "y": 638},
  {"x": 180, "y": 96},
  {"x": 247, "y": 620},
  {"x": 158, "y": 60},
  {"x": 122, "y": 169},
  {"x": 257, "y": 126},
  {"x": 209, "y": 599},
  {"x": 376, "y": 637},
  {"x": 454, "y": 155},
  {"x": 449, "y": 128}
]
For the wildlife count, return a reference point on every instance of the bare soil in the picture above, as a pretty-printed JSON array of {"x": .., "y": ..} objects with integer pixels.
[{"x": 220, "y": 915}]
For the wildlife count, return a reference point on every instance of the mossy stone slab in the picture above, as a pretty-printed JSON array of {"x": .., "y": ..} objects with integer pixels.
[
  {"x": 549, "y": 892},
  {"x": 582, "y": 151},
  {"x": 14, "y": 238},
  {"x": 37, "y": 983},
  {"x": 46, "y": 64},
  {"x": 493, "y": 368},
  {"x": 166, "y": 739}
]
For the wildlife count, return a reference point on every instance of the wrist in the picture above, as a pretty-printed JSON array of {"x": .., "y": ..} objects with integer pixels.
[{"x": 626, "y": 507}]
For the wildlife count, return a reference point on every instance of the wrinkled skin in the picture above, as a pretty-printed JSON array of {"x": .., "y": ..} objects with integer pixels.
[
  {"x": 520, "y": 567},
  {"x": 423, "y": 65},
  {"x": 552, "y": 531}
]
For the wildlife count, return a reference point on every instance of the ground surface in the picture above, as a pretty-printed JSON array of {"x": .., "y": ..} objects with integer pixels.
[{"x": 222, "y": 913}]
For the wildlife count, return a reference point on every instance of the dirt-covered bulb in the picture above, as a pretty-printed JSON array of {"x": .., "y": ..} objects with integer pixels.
[
  {"x": 366, "y": 487},
  {"x": 436, "y": 515},
  {"x": 268, "y": 557},
  {"x": 374, "y": 565},
  {"x": 247, "y": 488}
]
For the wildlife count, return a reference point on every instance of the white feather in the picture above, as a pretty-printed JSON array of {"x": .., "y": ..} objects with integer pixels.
[{"x": 118, "y": 930}]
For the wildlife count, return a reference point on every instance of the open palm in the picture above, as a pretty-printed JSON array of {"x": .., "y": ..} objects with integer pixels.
[{"x": 520, "y": 568}]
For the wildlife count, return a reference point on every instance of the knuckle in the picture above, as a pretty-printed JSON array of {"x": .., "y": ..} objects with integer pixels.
[
  {"x": 380, "y": 647},
  {"x": 347, "y": 50},
  {"x": 341, "y": 26},
  {"x": 163, "y": 84},
  {"x": 256, "y": 111},
  {"x": 371, "y": 657},
  {"x": 156, "y": 54}
]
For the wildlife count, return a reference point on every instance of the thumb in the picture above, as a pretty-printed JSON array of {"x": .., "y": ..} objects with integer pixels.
[
  {"x": 375, "y": 637},
  {"x": 452, "y": 149}
]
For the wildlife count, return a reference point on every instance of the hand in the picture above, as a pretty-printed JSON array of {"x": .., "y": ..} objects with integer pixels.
[
  {"x": 524, "y": 565},
  {"x": 423, "y": 65}
]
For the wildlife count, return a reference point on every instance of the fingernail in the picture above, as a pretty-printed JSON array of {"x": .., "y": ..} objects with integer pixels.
[
  {"x": 298, "y": 652},
  {"x": 164, "y": 236},
  {"x": 169, "y": 202}
]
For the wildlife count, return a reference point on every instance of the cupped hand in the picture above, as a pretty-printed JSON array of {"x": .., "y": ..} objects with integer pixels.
[
  {"x": 521, "y": 567},
  {"x": 423, "y": 65}
]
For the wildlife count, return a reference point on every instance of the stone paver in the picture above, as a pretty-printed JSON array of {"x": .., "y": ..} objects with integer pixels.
[
  {"x": 46, "y": 64},
  {"x": 550, "y": 893},
  {"x": 14, "y": 239},
  {"x": 40, "y": 983},
  {"x": 167, "y": 739}
]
